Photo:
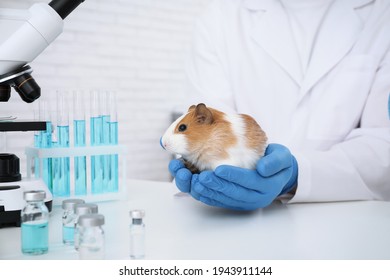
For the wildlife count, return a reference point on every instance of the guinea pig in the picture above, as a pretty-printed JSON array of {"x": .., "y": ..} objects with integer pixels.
[{"x": 206, "y": 138}]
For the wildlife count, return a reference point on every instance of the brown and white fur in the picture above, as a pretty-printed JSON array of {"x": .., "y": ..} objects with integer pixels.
[{"x": 207, "y": 138}]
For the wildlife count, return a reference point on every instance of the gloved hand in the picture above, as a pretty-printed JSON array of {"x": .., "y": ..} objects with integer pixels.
[{"x": 241, "y": 189}]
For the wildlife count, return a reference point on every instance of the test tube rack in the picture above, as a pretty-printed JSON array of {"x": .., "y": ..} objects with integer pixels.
[{"x": 33, "y": 153}]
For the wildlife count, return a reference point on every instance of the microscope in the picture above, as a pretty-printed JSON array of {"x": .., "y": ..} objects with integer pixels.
[{"x": 24, "y": 34}]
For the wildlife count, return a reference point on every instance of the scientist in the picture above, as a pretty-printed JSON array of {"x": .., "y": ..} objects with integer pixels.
[{"x": 316, "y": 76}]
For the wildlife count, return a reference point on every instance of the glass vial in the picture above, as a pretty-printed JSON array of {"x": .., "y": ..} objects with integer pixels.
[
  {"x": 69, "y": 220},
  {"x": 35, "y": 224},
  {"x": 91, "y": 233},
  {"x": 137, "y": 234},
  {"x": 82, "y": 209}
]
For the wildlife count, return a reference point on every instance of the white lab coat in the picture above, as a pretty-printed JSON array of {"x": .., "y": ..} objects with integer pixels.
[{"x": 333, "y": 118}]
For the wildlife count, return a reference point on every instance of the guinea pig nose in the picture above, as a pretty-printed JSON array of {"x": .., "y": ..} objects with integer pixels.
[{"x": 161, "y": 143}]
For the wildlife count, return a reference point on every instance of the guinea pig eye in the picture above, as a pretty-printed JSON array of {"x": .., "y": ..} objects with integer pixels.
[{"x": 182, "y": 127}]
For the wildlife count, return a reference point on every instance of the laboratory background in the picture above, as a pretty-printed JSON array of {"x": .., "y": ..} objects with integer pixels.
[{"x": 135, "y": 48}]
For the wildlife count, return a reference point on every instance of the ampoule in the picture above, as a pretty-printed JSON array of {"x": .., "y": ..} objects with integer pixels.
[
  {"x": 79, "y": 130},
  {"x": 82, "y": 209},
  {"x": 35, "y": 224},
  {"x": 69, "y": 219},
  {"x": 137, "y": 234}
]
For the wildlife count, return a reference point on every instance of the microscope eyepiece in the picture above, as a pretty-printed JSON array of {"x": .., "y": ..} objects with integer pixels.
[{"x": 65, "y": 7}]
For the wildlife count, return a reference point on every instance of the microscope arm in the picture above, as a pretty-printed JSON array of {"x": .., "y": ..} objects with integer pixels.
[{"x": 44, "y": 23}]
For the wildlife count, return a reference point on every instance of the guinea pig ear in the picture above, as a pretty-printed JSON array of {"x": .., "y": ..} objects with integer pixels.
[
  {"x": 192, "y": 107},
  {"x": 203, "y": 114}
]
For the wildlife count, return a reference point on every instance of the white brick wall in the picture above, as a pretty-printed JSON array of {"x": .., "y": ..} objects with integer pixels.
[{"x": 135, "y": 47}]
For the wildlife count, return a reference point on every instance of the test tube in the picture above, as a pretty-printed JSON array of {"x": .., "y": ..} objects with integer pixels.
[
  {"x": 37, "y": 139},
  {"x": 114, "y": 175},
  {"x": 61, "y": 176},
  {"x": 104, "y": 100},
  {"x": 79, "y": 130},
  {"x": 96, "y": 140},
  {"x": 45, "y": 142},
  {"x": 54, "y": 143}
]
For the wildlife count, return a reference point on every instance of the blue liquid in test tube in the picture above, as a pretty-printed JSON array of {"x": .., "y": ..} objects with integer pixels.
[
  {"x": 46, "y": 142},
  {"x": 113, "y": 184},
  {"x": 37, "y": 144},
  {"x": 80, "y": 163},
  {"x": 61, "y": 166},
  {"x": 96, "y": 161},
  {"x": 43, "y": 139},
  {"x": 62, "y": 177},
  {"x": 79, "y": 137},
  {"x": 106, "y": 158}
]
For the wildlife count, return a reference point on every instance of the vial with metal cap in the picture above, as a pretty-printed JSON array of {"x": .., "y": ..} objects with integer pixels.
[
  {"x": 35, "y": 224},
  {"x": 69, "y": 220},
  {"x": 82, "y": 209},
  {"x": 137, "y": 234},
  {"x": 91, "y": 246}
]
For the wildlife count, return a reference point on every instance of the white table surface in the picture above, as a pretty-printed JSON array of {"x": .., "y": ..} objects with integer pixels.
[{"x": 178, "y": 227}]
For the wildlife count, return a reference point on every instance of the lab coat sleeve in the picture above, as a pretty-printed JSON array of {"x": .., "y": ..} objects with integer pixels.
[
  {"x": 208, "y": 80},
  {"x": 359, "y": 167}
]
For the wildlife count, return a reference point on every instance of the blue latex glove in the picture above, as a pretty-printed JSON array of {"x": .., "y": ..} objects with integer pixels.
[{"x": 241, "y": 189}]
